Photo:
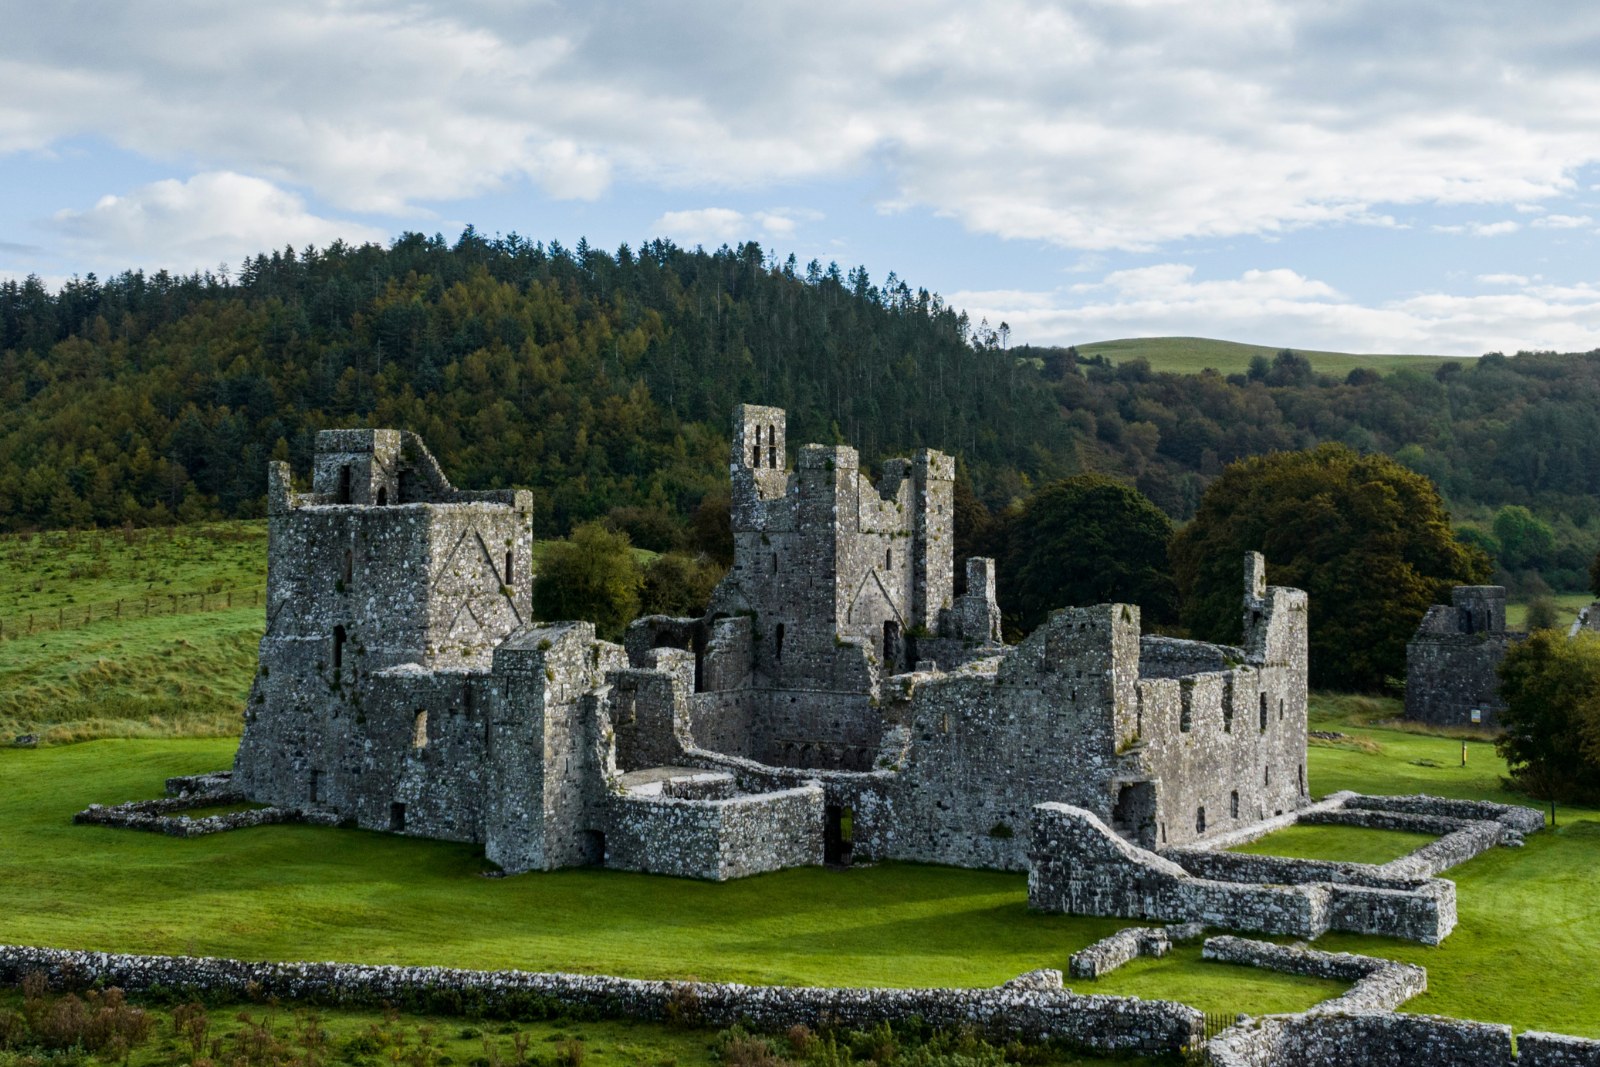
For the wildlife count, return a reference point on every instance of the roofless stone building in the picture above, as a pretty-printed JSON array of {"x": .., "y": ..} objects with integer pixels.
[{"x": 838, "y": 701}]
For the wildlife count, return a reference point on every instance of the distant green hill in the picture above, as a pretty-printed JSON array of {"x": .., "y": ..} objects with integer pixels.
[{"x": 1189, "y": 355}]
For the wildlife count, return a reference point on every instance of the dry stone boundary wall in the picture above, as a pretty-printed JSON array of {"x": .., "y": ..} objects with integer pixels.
[{"x": 1034, "y": 1007}]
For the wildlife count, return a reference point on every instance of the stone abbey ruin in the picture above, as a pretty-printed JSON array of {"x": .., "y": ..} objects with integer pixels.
[
  {"x": 837, "y": 703},
  {"x": 838, "y": 699}
]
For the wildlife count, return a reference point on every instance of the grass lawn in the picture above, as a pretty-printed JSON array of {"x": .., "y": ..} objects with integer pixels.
[
  {"x": 299, "y": 892},
  {"x": 1342, "y": 844},
  {"x": 1190, "y": 355},
  {"x": 1528, "y": 938}
]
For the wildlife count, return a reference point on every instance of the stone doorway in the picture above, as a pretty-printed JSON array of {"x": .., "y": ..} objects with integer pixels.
[
  {"x": 1134, "y": 814},
  {"x": 838, "y": 835}
]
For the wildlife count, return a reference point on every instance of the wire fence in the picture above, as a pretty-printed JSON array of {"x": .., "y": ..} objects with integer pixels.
[{"x": 76, "y": 616}]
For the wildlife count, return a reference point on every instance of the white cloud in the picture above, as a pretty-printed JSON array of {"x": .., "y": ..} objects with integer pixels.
[
  {"x": 713, "y": 226},
  {"x": 1280, "y": 307},
  {"x": 1563, "y": 222},
  {"x": 216, "y": 217},
  {"x": 1483, "y": 229},
  {"x": 1099, "y": 126}
]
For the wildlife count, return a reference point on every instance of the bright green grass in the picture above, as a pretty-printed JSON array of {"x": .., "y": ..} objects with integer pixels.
[
  {"x": 1528, "y": 938},
  {"x": 299, "y": 892},
  {"x": 157, "y": 675},
  {"x": 65, "y": 568},
  {"x": 1341, "y": 844},
  {"x": 1190, "y": 355},
  {"x": 183, "y": 674}
]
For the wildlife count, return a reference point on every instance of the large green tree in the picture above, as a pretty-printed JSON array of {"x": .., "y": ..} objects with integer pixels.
[
  {"x": 591, "y": 576},
  {"x": 1084, "y": 540},
  {"x": 1367, "y": 539},
  {"x": 1551, "y": 743}
]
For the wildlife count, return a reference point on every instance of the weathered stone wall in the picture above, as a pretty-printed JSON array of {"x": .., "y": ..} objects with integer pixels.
[
  {"x": 1535, "y": 1048},
  {"x": 1376, "y": 984},
  {"x": 1124, "y": 946},
  {"x": 1081, "y": 867},
  {"x": 383, "y": 565},
  {"x": 1452, "y": 659},
  {"x": 716, "y": 839},
  {"x": 1380, "y": 1039},
  {"x": 1027, "y": 1010}
]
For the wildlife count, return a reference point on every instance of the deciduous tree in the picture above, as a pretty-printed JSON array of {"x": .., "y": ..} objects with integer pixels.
[{"x": 1367, "y": 539}]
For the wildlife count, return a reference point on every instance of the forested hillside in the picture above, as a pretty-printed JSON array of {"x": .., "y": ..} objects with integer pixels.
[{"x": 604, "y": 381}]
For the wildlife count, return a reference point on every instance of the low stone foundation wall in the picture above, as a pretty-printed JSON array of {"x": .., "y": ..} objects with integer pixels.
[
  {"x": 1124, "y": 946},
  {"x": 1377, "y": 984},
  {"x": 1035, "y": 1008},
  {"x": 1081, "y": 867},
  {"x": 166, "y": 816},
  {"x": 1379, "y": 1039}
]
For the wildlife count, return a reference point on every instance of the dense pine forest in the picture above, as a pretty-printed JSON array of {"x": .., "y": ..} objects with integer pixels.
[{"x": 604, "y": 382}]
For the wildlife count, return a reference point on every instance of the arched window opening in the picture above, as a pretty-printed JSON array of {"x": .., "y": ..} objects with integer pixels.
[
  {"x": 1233, "y": 804},
  {"x": 755, "y": 451},
  {"x": 419, "y": 729},
  {"x": 344, "y": 484},
  {"x": 1200, "y": 819},
  {"x": 383, "y": 495},
  {"x": 338, "y": 648}
]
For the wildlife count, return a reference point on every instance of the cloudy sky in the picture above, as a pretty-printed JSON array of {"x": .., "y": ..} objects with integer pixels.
[{"x": 1385, "y": 177}]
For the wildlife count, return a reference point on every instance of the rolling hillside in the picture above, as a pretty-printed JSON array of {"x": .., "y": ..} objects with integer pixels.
[{"x": 1189, "y": 355}]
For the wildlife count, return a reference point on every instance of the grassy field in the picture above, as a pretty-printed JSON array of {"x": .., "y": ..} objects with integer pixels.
[
  {"x": 1190, "y": 355},
  {"x": 1341, "y": 844},
  {"x": 137, "y": 633},
  {"x": 139, "y": 667},
  {"x": 298, "y": 892},
  {"x": 1529, "y": 925}
]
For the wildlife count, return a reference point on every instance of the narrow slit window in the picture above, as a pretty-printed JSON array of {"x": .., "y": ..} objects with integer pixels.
[
  {"x": 348, "y": 568},
  {"x": 338, "y": 647},
  {"x": 1233, "y": 804},
  {"x": 1263, "y": 713},
  {"x": 508, "y": 567},
  {"x": 419, "y": 729}
]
